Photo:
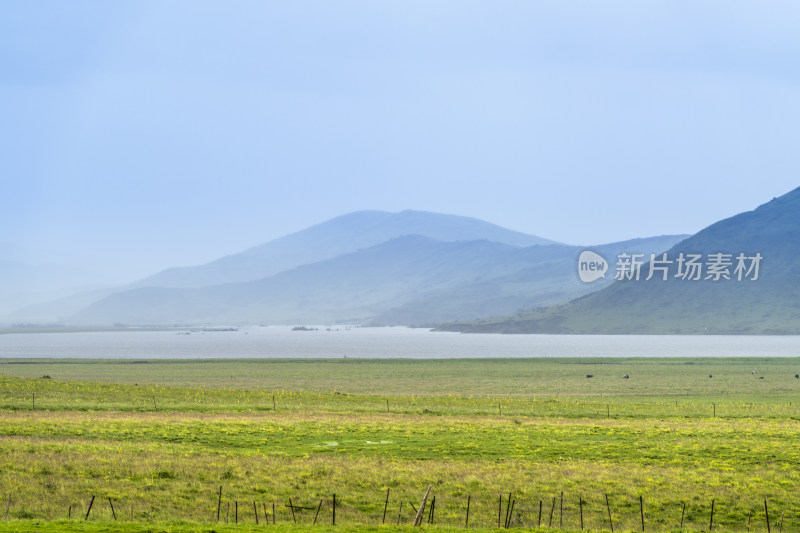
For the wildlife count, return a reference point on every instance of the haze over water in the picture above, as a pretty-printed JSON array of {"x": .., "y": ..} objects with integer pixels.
[{"x": 389, "y": 343}]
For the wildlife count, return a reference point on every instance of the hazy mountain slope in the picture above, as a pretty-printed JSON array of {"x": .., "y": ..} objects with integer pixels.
[
  {"x": 334, "y": 237},
  {"x": 341, "y": 235},
  {"x": 770, "y": 304},
  {"x": 25, "y": 283},
  {"x": 350, "y": 287},
  {"x": 548, "y": 277},
  {"x": 356, "y": 287},
  {"x": 58, "y": 310}
]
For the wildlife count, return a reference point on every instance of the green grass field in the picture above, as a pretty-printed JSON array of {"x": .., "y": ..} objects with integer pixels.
[{"x": 160, "y": 438}]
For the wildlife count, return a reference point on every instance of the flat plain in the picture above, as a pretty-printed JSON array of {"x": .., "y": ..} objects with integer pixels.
[{"x": 159, "y": 439}]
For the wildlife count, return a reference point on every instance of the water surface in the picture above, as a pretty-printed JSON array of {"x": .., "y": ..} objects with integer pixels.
[{"x": 397, "y": 342}]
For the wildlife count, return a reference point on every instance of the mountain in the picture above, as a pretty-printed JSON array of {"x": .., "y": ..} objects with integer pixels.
[
  {"x": 407, "y": 280},
  {"x": 341, "y": 235},
  {"x": 57, "y": 310},
  {"x": 334, "y": 237},
  {"x": 769, "y": 304},
  {"x": 26, "y": 282},
  {"x": 544, "y": 276}
]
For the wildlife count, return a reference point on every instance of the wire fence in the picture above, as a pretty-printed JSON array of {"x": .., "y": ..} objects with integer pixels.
[{"x": 404, "y": 507}]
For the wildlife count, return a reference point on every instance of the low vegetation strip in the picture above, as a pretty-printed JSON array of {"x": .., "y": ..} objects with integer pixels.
[{"x": 658, "y": 458}]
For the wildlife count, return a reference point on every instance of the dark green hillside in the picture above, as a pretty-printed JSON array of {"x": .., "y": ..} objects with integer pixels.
[{"x": 768, "y": 305}]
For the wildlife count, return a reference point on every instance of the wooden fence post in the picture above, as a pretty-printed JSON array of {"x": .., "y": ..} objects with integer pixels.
[
  {"x": 499, "y": 509},
  {"x": 511, "y": 514},
  {"x": 219, "y": 502},
  {"x": 89, "y": 510},
  {"x": 711, "y": 523},
  {"x": 418, "y": 518},
  {"x": 641, "y": 510},
  {"x": 608, "y": 506},
  {"x": 320, "y": 507},
  {"x": 508, "y": 509},
  {"x": 386, "y": 503}
]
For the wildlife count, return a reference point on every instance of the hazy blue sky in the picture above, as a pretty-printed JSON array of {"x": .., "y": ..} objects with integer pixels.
[{"x": 150, "y": 134}]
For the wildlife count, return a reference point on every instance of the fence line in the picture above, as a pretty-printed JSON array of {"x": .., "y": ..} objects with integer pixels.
[{"x": 465, "y": 512}]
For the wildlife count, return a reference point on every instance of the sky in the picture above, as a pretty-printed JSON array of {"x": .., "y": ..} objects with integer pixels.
[{"x": 140, "y": 135}]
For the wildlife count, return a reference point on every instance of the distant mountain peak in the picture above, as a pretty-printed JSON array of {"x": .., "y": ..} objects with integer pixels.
[
  {"x": 408, "y": 279},
  {"x": 343, "y": 234}
]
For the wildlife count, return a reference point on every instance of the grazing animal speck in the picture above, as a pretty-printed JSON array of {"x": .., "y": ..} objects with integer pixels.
[
  {"x": 626, "y": 376},
  {"x": 710, "y": 376},
  {"x": 797, "y": 376},
  {"x": 762, "y": 377},
  {"x": 589, "y": 375}
]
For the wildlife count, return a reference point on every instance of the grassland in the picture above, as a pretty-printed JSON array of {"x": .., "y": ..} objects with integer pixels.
[{"x": 160, "y": 438}]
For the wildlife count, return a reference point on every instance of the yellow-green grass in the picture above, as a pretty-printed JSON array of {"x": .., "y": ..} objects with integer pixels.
[
  {"x": 183, "y": 526},
  {"x": 652, "y": 377},
  {"x": 535, "y": 428}
]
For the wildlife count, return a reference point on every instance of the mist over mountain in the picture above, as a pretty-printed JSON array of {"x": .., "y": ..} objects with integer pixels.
[
  {"x": 368, "y": 267},
  {"x": 25, "y": 283},
  {"x": 340, "y": 235},
  {"x": 408, "y": 280},
  {"x": 544, "y": 275},
  {"x": 769, "y": 304}
]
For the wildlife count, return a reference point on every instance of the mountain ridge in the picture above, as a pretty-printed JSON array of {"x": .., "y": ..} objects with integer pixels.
[
  {"x": 768, "y": 305},
  {"x": 357, "y": 287},
  {"x": 343, "y": 234}
]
